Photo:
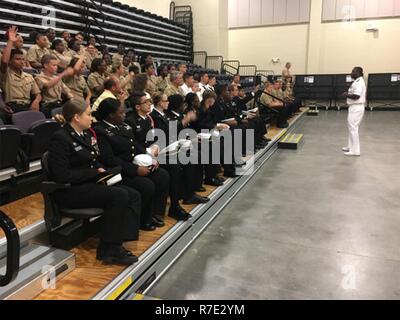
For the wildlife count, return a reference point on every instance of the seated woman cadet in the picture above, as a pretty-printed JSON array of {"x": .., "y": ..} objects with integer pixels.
[
  {"x": 73, "y": 158},
  {"x": 142, "y": 123},
  {"x": 118, "y": 148},
  {"x": 166, "y": 111},
  {"x": 205, "y": 121},
  {"x": 97, "y": 77}
]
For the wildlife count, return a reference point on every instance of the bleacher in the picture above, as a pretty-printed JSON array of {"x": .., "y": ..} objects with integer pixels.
[{"x": 146, "y": 32}]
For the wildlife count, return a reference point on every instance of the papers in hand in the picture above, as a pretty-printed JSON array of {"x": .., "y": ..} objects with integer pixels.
[
  {"x": 228, "y": 120},
  {"x": 110, "y": 179},
  {"x": 204, "y": 136},
  {"x": 246, "y": 112}
]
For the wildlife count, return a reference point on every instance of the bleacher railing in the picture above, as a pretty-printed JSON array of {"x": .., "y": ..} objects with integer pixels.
[
  {"x": 13, "y": 249},
  {"x": 231, "y": 67},
  {"x": 247, "y": 70},
  {"x": 200, "y": 58},
  {"x": 214, "y": 62}
]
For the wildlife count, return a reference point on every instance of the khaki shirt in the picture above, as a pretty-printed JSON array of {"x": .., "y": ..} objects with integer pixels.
[
  {"x": 162, "y": 84},
  {"x": 78, "y": 86},
  {"x": 95, "y": 80},
  {"x": 65, "y": 44},
  {"x": 35, "y": 54},
  {"x": 152, "y": 85},
  {"x": 109, "y": 69},
  {"x": 266, "y": 99},
  {"x": 18, "y": 87},
  {"x": 53, "y": 94},
  {"x": 171, "y": 90},
  {"x": 278, "y": 93},
  {"x": 117, "y": 58},
  {"x": 288, "y": 93},
  {"x": 63, "y": 59},
  {"x": 89, "y": 58},
  {"x": 286, "y": 73}
]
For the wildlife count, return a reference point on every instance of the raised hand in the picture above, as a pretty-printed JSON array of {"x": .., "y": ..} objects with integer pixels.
[{"x": 13, "y": 34}]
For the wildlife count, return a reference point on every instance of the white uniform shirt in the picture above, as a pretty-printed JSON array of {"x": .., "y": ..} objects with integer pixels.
[
  {"x": 358, "y": 88},
  {"x": 186, "y": 90}
]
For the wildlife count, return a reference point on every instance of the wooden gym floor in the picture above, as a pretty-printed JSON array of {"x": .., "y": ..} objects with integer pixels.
[{"x": 90, "y": 275}]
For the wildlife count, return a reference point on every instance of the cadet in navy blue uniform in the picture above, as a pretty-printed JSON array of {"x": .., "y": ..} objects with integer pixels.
[
  {"x": 119, "y": 148},
  {"x": 140, "y": 120},
  {"x": 167, "y": 110},
  {"x": 73, "y": 158},
  {"x": 205, "y": 121}
]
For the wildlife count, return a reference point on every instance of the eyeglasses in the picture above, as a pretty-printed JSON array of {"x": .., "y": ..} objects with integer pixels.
[
  {"x": 147, "y": 101},
  {"x": 164, "y": 100}
]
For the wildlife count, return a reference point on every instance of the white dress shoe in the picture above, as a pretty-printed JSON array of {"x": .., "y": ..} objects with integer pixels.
[
  {"x": 350, "y": 154},
  {"x": 345, "y": 149}
]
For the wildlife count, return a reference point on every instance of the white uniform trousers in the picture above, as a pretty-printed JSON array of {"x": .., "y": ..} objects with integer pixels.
[{"x": 356, "y": 114}]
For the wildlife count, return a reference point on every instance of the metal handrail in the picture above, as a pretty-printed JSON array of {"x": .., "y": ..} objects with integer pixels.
[
  {"x": 13, "y": 249},
  {"x": 214, "y": 62}
]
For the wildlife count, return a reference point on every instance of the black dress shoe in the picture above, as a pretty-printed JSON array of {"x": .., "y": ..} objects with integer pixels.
[
  {"x": 196, "y": 199},
  {"x": 148, "y": 227},
  {"x": 178, "y": 213},
  {"x": 118, "y": 255},
  {"x": 158, "y": 222},
  {"x": 222, "y": 179},
  {"x": 201, "y": 189},
  {"x": 230, "y": 174},
  {"x": 213, "y": 182},
  {"x": 283, "y": 125}
]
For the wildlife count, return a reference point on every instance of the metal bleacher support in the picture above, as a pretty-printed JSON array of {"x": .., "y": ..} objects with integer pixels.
[
  {"x": 184, "y": 16},
  {"x": 97, "y": 18}
]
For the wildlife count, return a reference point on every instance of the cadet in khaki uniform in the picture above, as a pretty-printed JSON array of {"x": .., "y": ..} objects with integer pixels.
[
  {"x": 19, "y": 45},
  {"x": 270, "y": 102},
  {"x": 152, "y": 81},
  {"x": 126, "y": 64},
  {"x": 97, "y": 77},
  {"x": 66, "y": 37},
  {"x": 63, "y": 58},
  {"x": 77, "y": 83},
  {"x": 162, "y": 82},
  {"x": 119, "y": 56},
  {"x": 125, "y": 82},
  {"x": 91, "y": 53},
  {"x": 175, "y": 86},
  {"x": 286, "y": 72},
  {"x": 278, "y": 92},
  {"x": 51, "y": 85},
  {"x": 37, "y": 51},
  {"x": 18, "y": 86},
  {"x": 50, "y": 34}
]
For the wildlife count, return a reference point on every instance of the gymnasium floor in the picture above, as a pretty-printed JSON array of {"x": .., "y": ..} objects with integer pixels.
[{"x": 312, "y": 224}]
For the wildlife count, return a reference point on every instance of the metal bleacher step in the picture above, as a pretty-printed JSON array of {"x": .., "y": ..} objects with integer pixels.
[
  {"x": 291, "y": 141},
  {"x": 40, "y": 269}
]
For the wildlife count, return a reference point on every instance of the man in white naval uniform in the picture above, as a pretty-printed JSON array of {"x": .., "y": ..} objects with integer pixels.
[{"x": 356, "y": 98}]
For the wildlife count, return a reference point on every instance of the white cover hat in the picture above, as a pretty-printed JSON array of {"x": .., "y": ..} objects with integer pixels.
[{"x": 143, "y": 160}]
